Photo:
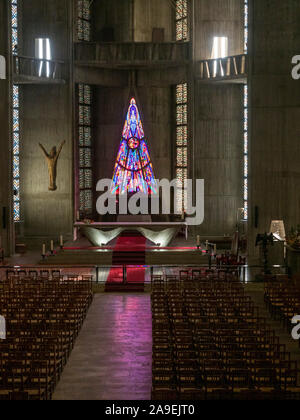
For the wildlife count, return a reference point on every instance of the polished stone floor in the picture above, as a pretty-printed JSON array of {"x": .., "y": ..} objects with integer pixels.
[{"x": 111, "y": 359}]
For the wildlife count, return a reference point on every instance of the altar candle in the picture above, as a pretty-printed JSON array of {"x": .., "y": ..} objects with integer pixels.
[
  {"x": 198, "y": 240},
  {"x": 78, "y": 216},
  {"x": 215, "y": 249},
  {"x": 61, "y": 241},
  {"x": 52, "y": 246},
  {"x": 44, "y": 250},
  {"x": 206, "y": 245}
]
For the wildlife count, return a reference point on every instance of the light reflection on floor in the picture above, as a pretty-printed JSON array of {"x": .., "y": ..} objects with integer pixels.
[{"x": 112, "y": 356}]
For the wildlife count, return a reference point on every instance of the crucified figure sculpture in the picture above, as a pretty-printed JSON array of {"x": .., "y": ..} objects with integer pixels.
[{"x": 51, "y": 159}]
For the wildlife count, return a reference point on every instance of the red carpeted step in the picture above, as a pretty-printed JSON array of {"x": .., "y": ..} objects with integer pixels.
[{"x": 128, "y": 251}]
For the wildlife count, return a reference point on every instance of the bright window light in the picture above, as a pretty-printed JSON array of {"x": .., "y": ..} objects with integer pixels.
[
  {"x": 43, "y": 52},
  {"x": 219, "y": 50},
  {"x": 2, "y": 67},
  {"x": 220, "y": 47}
]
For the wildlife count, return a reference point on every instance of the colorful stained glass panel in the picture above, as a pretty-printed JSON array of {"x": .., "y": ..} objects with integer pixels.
[
  {"x": 87, "y": 94},
  {"x": 181, "y": 20},
  {"x": 16, "y": 146},
  {"x": 15, "y": 116},
  {"x": 123, "y": 153},
  {"x": 84, "y": 20},
  {"x": 14, "y": 15},
  {"x": 14, "y": 39},
  {"x": 245, "y": 166},
  {"x": 134, "y": 163},
  {"x": 86, "y": 14},
  {"x": 182, "y": 135},
  {"x": 181, "y": 93},
  {"x": 86, "y": 31},
  {"x": 182, "y": 157},
  {"x": 81, "y": 93},
  {"x": 245, "y": 189},
  {"x": 86, "y": 201},
  {"x": 17, "y": 211},
  {"x": 85, "y": 158},
  {"x": 246, "y": 143},
  {"x": 85, "y": 150},
  {"x": 80, "y": 29},
  {"x": 16, "y": 167},
  {"x": 181, "y": 140},
  {"x": 15, "y": 96},
  {"x": 133, "y": 155},
  {"x": 181, "y": 114},
  {"x": 16, "y": 184},
  {"x": 84, "y": 115},
  {"x": 85, "y": 179},
  {"x": 85, "y": 136}
]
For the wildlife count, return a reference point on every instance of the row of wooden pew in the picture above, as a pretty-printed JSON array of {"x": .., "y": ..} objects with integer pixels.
[
  {"x": 43, "y": 318},
  {"x": 283, "y": 300},
  {"x": 209, "y": 342}
]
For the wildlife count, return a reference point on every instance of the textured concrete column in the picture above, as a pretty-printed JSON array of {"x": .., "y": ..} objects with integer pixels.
[
  {"x": 47, "y": 117},
  {"x": 217, "y": 144},
  {"x": 275, "y": 116},
  {"x": 217, "y": 18},
  {"x": 5, "y": 150},
  {"x": 218, "y": 154},
  {"x": 150, "y": 14}
]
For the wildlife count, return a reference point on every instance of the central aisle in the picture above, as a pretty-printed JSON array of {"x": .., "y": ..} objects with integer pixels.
[{"x": 112, "y": 356}]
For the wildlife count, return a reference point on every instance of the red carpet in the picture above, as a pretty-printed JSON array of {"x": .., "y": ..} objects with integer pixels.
[{"x": 129, "y": 251}]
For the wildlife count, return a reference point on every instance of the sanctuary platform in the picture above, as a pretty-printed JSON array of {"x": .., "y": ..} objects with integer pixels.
[
  {"x": 103, "y": 256},
  {"x": 101, "y": 234}
]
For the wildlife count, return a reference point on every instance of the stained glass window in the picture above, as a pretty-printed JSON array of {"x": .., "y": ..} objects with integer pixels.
[
  {"x": 181, "y": 114},
  {"x": 14, "y": 26},
  {"x": 85, "y": 136},
  {"x": 246, "y": 117},
  {"x": 181, "y": 20},
  {"x": 86, "y": 202},
  {"x": 84, "y": 20},
  {"x": 246, "y": 25},
  {"x": 15, "y": 116},
  {"x": 182, "y": 140},
  {"x": 246, "y": 158},
  {"x": 85, "y": 155},
  {"x": 133, "y": 170},
  {"x": 16, "y": 153},
  {"x": 182, "y": 134}
]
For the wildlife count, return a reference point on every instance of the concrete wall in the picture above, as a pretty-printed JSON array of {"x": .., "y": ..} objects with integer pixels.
[
  {"x": 132, "y": 20},
  {"x": 217, "y": 18},
  {"x": 149, "y": 14},
  {"x": 46, "y": 117},
  {"x": 101, "y": 77},
  {"x": 6, "y": 230},
  {"x": 116, "y": 14},
  {"x": 275, "y": 115},
  {"x": 218, "y": 154},
  {"x": 46, "y": 19}
]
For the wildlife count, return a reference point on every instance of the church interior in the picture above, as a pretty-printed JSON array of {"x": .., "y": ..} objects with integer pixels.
[{"x": 149, "y": 200}]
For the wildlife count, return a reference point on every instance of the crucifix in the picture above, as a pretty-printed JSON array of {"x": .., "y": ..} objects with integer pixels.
[{"x": 51, "y": 159}]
